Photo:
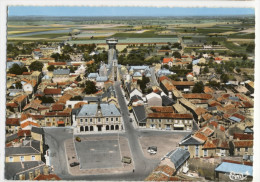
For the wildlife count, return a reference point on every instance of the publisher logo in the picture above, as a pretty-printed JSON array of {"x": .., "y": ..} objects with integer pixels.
[{"x": 237, "y": 176}]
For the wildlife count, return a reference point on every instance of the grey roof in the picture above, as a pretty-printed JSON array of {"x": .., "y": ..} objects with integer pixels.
[
  {"x": 212, "y": 108},
  {"x": 35, "y": 144},
  {"x": 91, "y": 99},
  {"x": 227, "y": 167},
  {"x": 101, "y": 79},
  {"x": 12, "y": 168},
  {"x": 37, "y": 130},
  {"x": 109, "y": 92},
  {"x": 61, "y": 72},
  {"x": 109, "y": 110},
  {"x": 91, "y": 110},
  {"x": 178, "y": 156},
  {"x": 140, "y": 114},
  {"x": 249, "y": 130},
  {"x": 11, "y": 137},
  {"x": 189, "y": 140},
  {"x": 233, "y": 118},
  {"x": 9, "y": 151},
  {"x": 234, "y": 98},
  {"x": 93, "y": 75},
  {"x": 167, "y": 101}
]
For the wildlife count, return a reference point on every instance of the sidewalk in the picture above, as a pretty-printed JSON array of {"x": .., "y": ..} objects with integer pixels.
[{"x": 71, "y": 156}]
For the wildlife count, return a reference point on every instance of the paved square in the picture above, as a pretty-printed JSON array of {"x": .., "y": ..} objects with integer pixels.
[{"x": 98, "y": 154}]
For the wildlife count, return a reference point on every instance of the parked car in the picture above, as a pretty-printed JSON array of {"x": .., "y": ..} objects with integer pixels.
[
  {"x": 73, "y": 164},
  {"x": 126, "y": 159},
  {"x": 78, "y": 139},
  {"x": 152, "y": 150}
]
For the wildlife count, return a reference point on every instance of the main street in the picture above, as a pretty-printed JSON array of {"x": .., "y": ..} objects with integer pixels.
[{"x": 55, "y": 138}]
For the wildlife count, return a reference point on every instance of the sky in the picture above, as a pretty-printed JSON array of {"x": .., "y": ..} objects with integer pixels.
[{"x": 124, "y": 11}]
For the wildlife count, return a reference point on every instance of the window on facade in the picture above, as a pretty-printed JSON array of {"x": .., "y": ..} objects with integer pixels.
[
  {"x": 176, "y": 121},
  {"x": 159, "y": 125},
  {"x": 238, "y": 149},
  {"x": 86, "y": 120},
  {"x": 106, "y": 119},
  {"x": 33, "y": 158},
  {"x": 116, "y": 119},
  {"x": 160, "y": 120},
  {"x": 48, "y": 119},
  {"x": 90, "y": 120},
  {"x": 22, "y": 158},
  {"x": 99, "y": 119},
  {"x": 53, "y": 119},
  {"x": 81, "y": 120},
  {"x": 186, "y": 147},
  {"x": 185, "y": 121},
  {"x": 112, "y": 119},
  {"x": 246, "y": 149},
  {"x": 205, "y": 153},
  {"x": 11, "y": 159},
  {"x": 197, "y": 150}
]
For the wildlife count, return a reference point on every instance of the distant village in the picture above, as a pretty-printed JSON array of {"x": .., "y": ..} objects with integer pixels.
[{"x": 207, "y": 94}]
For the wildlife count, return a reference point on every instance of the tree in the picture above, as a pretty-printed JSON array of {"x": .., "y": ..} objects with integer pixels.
[
  {"x": 166, "y": 66},
  {"x": 15, "y": 69},
  {"x": 206, "y": 69},
  {"x": 45, "y": 99},
  {"x": 78, "y": 79},
  {"x": 51, "y": 68},
  {"x": 76, "y": 98},
  {"x": 176, "y": 54},
  {"x": 244, "y": 57},
  {"x": 198, "y": 87},
  {"x": 18, "y": 85},
  {"x": 90, "y": 87},
  {"x": 36, "y": 66},
  {"x": 224, "y": 78}
]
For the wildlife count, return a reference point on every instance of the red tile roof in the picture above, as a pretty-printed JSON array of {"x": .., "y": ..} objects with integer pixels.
[
  {"x": 170, "y": 115},
  {"x": 239, "y": 116},
  {"x": 200, "y": 136},
  {"x": 51, "y": 91},
  {"x": 243, "y": 136},
  {"x": 20, "y": 98},
  {"x": 26, "y": 73},
  {"x": 13, "y": 105},
  {"x": 27, "y": 123},
  {"x": 243, "y": 144},
  {"x": 57, "y": 63},
  {"x": 47, "y": 177},
  {"x": 200, "y": 111},
  {"x": 197, "y": 96},
  {"x": 164, "y": 109},
  {"x": 214, "y": 123},
  {"x": 13, "y": 121},
  {"x": 57, "y": 107},
  {"x": 167, "y": 60},
  {"x": 183, "y": 83},
  {"x": 22, "y": 133}
]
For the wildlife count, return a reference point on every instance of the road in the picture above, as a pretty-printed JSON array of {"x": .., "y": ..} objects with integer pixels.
[
  {"x": 153, "y": 77},
  {"x": 55, "y": 138}
]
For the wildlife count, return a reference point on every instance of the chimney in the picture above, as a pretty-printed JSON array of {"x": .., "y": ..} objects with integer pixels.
[
  {"x": 45, "y": 170},
  {"x": 21, "y": 177},
  {"x": 37, "y": 172},
  {"x": 31, "y": 176}
]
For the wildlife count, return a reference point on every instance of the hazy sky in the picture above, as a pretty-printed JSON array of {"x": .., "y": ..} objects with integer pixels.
[{"x": 124, "y": 11}]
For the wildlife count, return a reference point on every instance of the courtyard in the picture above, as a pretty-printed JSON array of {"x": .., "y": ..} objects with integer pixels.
[{"x": 98, "y": 154}]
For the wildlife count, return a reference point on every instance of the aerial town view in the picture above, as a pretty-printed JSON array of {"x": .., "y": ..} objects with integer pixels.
[{"x": 116, "y": 94}]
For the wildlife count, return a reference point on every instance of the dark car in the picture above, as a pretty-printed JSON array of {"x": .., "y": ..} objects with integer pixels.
[
  {"x": 73, "y": 164},
  {"x": 78, "y": 139}
]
